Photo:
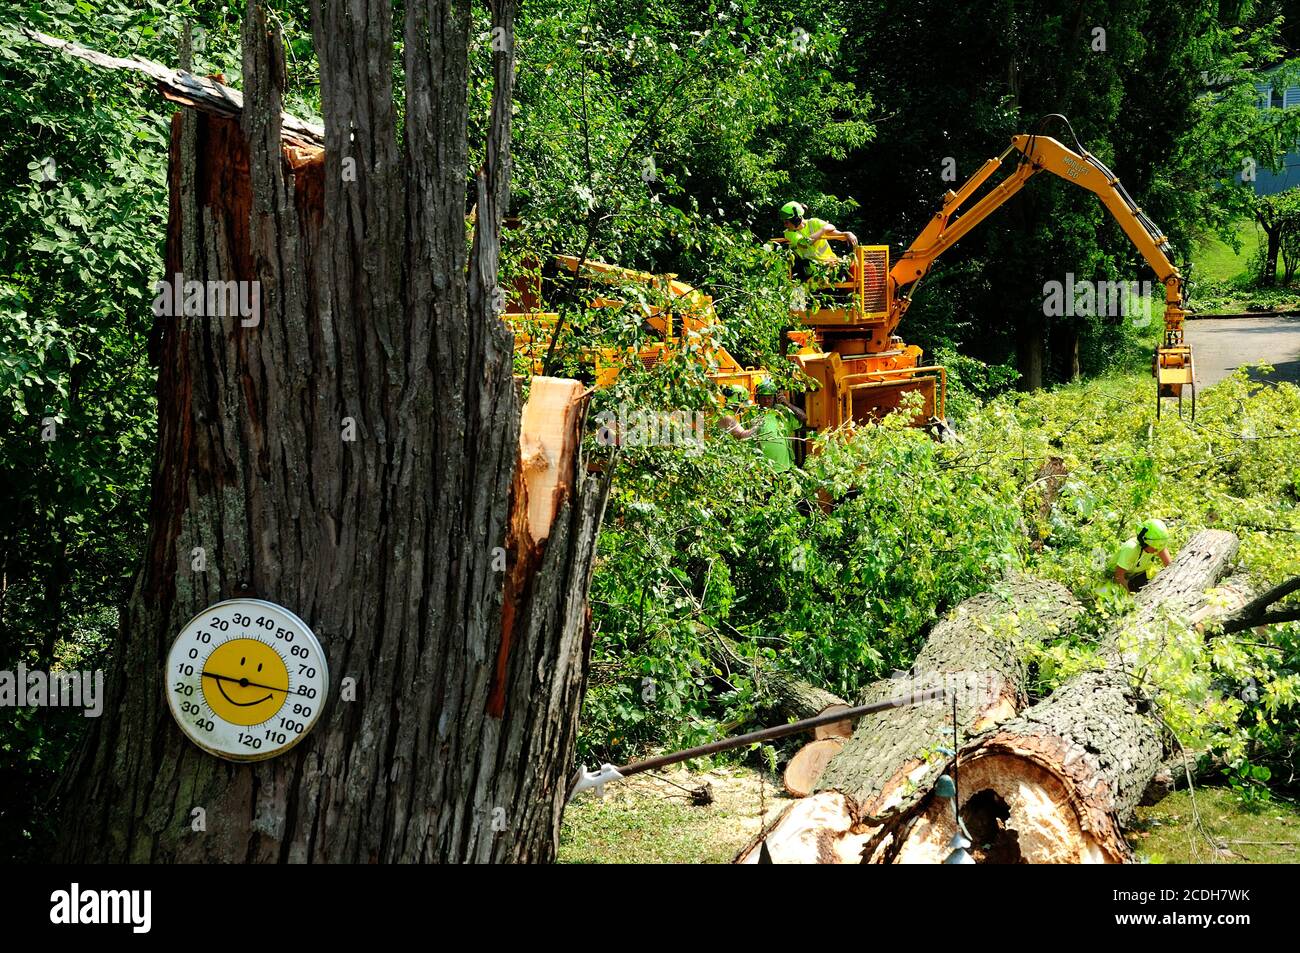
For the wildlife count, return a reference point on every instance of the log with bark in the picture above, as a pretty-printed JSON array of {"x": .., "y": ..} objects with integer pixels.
[
  {"x": 889, "y": 763},
  {"x": 354, "y": 451},
  {"x": 785, "y": 695},
  {"x": 1057, "y": 783}
]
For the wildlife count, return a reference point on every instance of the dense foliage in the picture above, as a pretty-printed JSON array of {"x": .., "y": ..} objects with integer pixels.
[
  {"x": 703, "y": 544},
  {"x": 663, "y": 136}
]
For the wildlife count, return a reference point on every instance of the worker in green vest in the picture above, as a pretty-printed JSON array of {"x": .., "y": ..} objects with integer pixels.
[
  {"x": 778, "y": 422},
  {"x": 1140, "y": 557},
  {"x": 807, "y": 238}
]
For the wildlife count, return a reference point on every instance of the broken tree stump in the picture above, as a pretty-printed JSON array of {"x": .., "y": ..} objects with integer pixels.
[{"x": 885, "y": 767}]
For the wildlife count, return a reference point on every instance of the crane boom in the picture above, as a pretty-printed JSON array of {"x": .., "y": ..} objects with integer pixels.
[
  {"x": 1038, "y": 154},
  {"x": 861, "y": 368}
]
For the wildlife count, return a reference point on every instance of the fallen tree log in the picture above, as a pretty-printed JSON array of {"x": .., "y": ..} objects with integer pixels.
[
  {"x": 1056, "y": 783},
  {"x": 793, "y": 698},
  {"x": 889, "y": 763},
  {"x": 798, "y": 699},
  {"x": 780, "y": 692}
]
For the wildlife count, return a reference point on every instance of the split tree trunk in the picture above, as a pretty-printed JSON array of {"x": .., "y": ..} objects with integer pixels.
[
  {"x": 354, "y": 456},
  {"x": 1055, "y": 784},
  {"x": 890, "y": 762}
]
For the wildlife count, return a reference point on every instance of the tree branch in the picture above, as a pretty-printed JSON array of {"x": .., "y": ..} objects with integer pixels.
[
  {"x": 1260, "y": 611},
  {"x": 183, "y": 87}
]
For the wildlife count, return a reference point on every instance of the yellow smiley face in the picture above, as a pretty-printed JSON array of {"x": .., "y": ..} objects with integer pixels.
[{"x": 245, "y": 682}]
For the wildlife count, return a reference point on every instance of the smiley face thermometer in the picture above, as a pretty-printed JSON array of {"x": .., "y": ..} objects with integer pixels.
[{"x": 246, "y": 679}]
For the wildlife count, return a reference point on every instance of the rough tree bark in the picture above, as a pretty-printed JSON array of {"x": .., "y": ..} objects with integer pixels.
[
  {"x": 1055, "y": 784},
  {"x": 884, "y": 769},
  {"x": 400, "y": 548},
  {"x": 1051, "y": 784}
]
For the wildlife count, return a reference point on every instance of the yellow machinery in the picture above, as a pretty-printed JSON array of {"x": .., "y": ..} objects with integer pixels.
[
  {"x": 674, "y": 316},
  {"x": 859, "y": 367},
  {"x": 862, "y": 368}
]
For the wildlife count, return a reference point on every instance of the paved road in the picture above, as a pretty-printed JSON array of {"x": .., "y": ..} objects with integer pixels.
[{"x": 1221, "y": 345}]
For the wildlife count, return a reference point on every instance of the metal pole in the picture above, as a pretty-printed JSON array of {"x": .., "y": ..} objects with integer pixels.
[{"x": 740, "y": 741}]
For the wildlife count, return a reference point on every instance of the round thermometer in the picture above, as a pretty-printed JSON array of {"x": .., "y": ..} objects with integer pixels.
[{"x": 246, "y": 679}]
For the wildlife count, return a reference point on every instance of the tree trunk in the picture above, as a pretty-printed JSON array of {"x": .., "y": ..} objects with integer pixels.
[
  {"x": 1031, "y": 348},
  {"x": 354, "y": 455},
  {"x": 1052, "y": 784},
  {"x": 1055, "y": 784},
  {"x": 889, "y": 764},
  {"x": 1273, "y": 236},
  {"x": 1074, "y": 370}
]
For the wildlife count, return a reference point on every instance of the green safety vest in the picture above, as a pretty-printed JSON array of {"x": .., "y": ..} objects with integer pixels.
[
  {"x": 773, "y": 435},
  {"x": 801, "y": 242},
  {"x": 1132, "y": 558}
]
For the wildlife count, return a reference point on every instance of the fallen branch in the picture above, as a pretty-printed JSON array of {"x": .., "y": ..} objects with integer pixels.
[{"x": 1260, "y": 611}]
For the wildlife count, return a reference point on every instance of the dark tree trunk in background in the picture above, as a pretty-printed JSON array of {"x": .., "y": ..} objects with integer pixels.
[
  {"x": 1273, "y": 233},
  {"x": 1073, "y": 365},
  {"x": 1030, "y": 347},
  {"x": 371, "y": 309}
]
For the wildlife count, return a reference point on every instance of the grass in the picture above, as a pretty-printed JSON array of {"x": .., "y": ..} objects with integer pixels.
[
  {"x": 1268, "y": 833},
  {"x": 1225, "y": 283},
  {"x": 1214, "y": 259},
  {"x": 645, "y": 820}
]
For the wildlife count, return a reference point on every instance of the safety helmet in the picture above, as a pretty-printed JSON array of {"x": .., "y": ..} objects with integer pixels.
[
  {"x": 1153, "y": 532},
  {"x": 792, "y": 210},
  {"x": 766, "y": 388},
  {"x": 736, "y": 395}
]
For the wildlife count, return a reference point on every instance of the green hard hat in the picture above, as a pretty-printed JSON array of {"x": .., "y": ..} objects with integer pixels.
[
  {"x": 792, "y": 210},
  {"x": 1154, "y": 532},
  {"x": 766, "y": 388},
  {"x": 736, "y": 395}
]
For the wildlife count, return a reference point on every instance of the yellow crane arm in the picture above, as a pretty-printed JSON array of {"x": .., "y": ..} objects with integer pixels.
[{"x": 1040, "y": 153}]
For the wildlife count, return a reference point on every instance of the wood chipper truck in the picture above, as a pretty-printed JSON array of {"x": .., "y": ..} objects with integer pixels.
[{"x": 848, "y": 345}]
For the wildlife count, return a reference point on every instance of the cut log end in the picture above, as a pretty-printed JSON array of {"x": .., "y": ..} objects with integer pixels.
[
  {"x": 1016, "y": 812},
  {"x": 817, "y": 830},
  {"x": 806, "y": 767},
  {"x": 839, "y": 729}
]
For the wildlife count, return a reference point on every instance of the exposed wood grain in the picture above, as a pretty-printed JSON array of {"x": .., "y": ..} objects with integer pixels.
[
  {"x": 1070, "y": 770},
  {"x": 801, "y": 774}
]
